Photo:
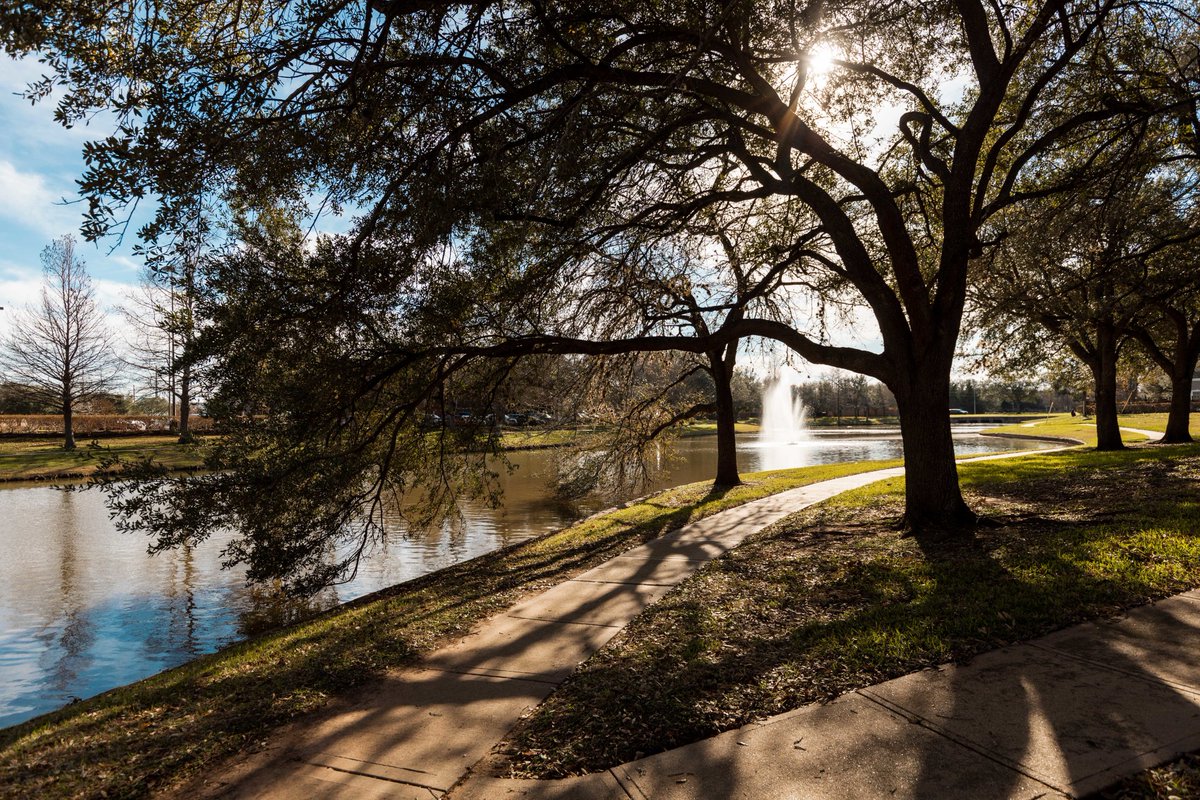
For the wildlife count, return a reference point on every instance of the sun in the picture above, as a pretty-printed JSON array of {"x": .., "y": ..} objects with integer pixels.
[{"x": 822, "y": 59}]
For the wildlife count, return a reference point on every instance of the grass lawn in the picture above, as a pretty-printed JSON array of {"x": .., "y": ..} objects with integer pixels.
[
  {"x": 33, "y": 459},
  {"x": 529, "y": 439},
  {"x": 1064, "y": 425},
  {"x": 850, "y": 422},
  {"x": 710, "y": 428},
  {"x": 536, "y": 438},
  {"x": 158, "y": 732},
  {"x": 1158, "y": 422},
  {"x": 834, "y": 599}
]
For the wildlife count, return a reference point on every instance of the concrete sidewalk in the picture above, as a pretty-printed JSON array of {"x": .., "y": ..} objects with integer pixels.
[
  {"x": 1062, "y": 716},
  {"x": 417, "y": 732}
]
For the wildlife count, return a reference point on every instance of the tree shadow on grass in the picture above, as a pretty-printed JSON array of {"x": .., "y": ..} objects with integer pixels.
[{"x": 877, "y": 620}]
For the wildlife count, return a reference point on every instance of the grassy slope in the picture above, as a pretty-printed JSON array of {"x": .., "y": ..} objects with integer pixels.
[
  {"x": 42, "y": 459},
  {"x": 33, "y": 459},
  {"x": 834, "y": 599},
  {"x": 710, "y": 428},
  {"x": 160, "y": 731},
  {"x": 534, "y": 438}
]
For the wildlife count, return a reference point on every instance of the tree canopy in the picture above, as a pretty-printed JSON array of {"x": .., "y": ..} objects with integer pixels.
[{"x": 496, "y": 155}]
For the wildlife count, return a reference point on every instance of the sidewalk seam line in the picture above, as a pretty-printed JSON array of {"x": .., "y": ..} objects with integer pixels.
[
  {"x": 659, "y": 558},
  {"x": 617, "y": 778},
  {"x": 567, "y": 621},
  {"x": 1137, "y": 757},
  {"x": 961, "y": 741},
  {"x": 360, "y": 761},
  {"x": 374, "y": 777},
  {"x": 623, "y": 583},
  {"x": 478, "y": 674},
  {"x": 1193, "y": 690}
]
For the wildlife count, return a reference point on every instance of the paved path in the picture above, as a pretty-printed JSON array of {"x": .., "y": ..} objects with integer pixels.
[
  {"x": 1052, "y": 718},
  {"x": 417, "y": 732},
  {"x": 1152, "y": 436}
]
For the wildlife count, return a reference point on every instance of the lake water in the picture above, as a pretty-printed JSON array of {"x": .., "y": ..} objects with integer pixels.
[{"x": 84, "y": 609}]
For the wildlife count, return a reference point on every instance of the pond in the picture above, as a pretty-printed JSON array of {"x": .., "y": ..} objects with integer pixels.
[{"x": 84, "y": 609}]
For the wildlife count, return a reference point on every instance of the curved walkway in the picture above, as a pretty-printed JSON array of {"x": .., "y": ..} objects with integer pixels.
[
  {"x": 1062, "y": 716},
  {"x": 1151, "y": 436},
  {"x": 417, "y": 733}
]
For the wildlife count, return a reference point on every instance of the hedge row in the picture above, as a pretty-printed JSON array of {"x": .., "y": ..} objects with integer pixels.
[{"x": 95, "y": 423}]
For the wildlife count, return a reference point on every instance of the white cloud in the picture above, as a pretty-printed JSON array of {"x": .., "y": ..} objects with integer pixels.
[
  {"x": 26, "y": 199},
  {"x": 21, "y": 287},
  {"x": 33, "y": 124},
  {"x": 17, "y": 73},
  {"x": 134, "y": 268}
]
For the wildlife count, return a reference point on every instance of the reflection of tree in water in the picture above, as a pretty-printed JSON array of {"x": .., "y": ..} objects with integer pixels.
[
  {"x": 72, "y": 624},
  {"x": 269, "y": 606},
  {"x": 179, "y": 611}
]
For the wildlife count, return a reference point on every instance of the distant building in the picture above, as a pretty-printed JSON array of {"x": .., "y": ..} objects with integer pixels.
[{"x": 1196, "y": 386}]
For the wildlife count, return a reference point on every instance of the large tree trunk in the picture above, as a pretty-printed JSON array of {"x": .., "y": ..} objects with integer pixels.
[
  {"x": 722, "y": 371},
  {"x": 1104, "y": 373},
  {"x": 68, "y": 423},
  {"x": 185, "y": 405},
  {"x": 1179, "y": 419},
  {"x": 1182, "y": 367},
  {"x": 933, "y": 501}
]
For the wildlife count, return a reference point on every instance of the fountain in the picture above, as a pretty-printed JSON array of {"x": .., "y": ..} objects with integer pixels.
[{"x": 782, "y": 411}]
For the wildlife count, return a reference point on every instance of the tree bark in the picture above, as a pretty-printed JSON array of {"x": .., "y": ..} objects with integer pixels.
[
  {"x": 185, "y": 405},
  {"x": 722, "y": 371},
  {"x": 1104, "y": 373},
  {"x": 933, "y": 501},
  {"x": 1180, "y": 366},
  {"x": 68, "y": 424},
  {"x": 1179, "y": 418}
]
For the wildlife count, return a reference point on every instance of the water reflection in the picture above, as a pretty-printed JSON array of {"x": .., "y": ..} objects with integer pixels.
[{"x": 83, "y": 609}]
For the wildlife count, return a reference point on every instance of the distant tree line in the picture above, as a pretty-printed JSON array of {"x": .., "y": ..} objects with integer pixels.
[{"x": 61, "y": 356}]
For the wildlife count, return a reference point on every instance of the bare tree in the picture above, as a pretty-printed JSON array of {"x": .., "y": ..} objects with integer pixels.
[
  {"x": 159, "y": 314},
  {"x": 61, "y": 346}
]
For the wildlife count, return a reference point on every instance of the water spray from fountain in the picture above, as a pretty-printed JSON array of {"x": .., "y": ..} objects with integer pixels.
[{"x": 783, "y": 413}]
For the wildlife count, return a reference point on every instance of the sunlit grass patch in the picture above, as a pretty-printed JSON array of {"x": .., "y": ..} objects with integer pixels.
[
  {"x": 1079, "y": 429},
  {"x": 1158, "y": 422},
  {"x": 30, "y": 459}
]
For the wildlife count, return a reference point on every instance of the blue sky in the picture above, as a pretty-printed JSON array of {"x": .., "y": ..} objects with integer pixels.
[{"x": 39, "y": 164}]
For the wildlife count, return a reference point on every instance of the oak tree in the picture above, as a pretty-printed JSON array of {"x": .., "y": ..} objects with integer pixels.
[{"x": 905, "y": 129}]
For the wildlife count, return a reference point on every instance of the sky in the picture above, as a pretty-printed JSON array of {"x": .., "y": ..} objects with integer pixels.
[{"x": 40, "y": 162}]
